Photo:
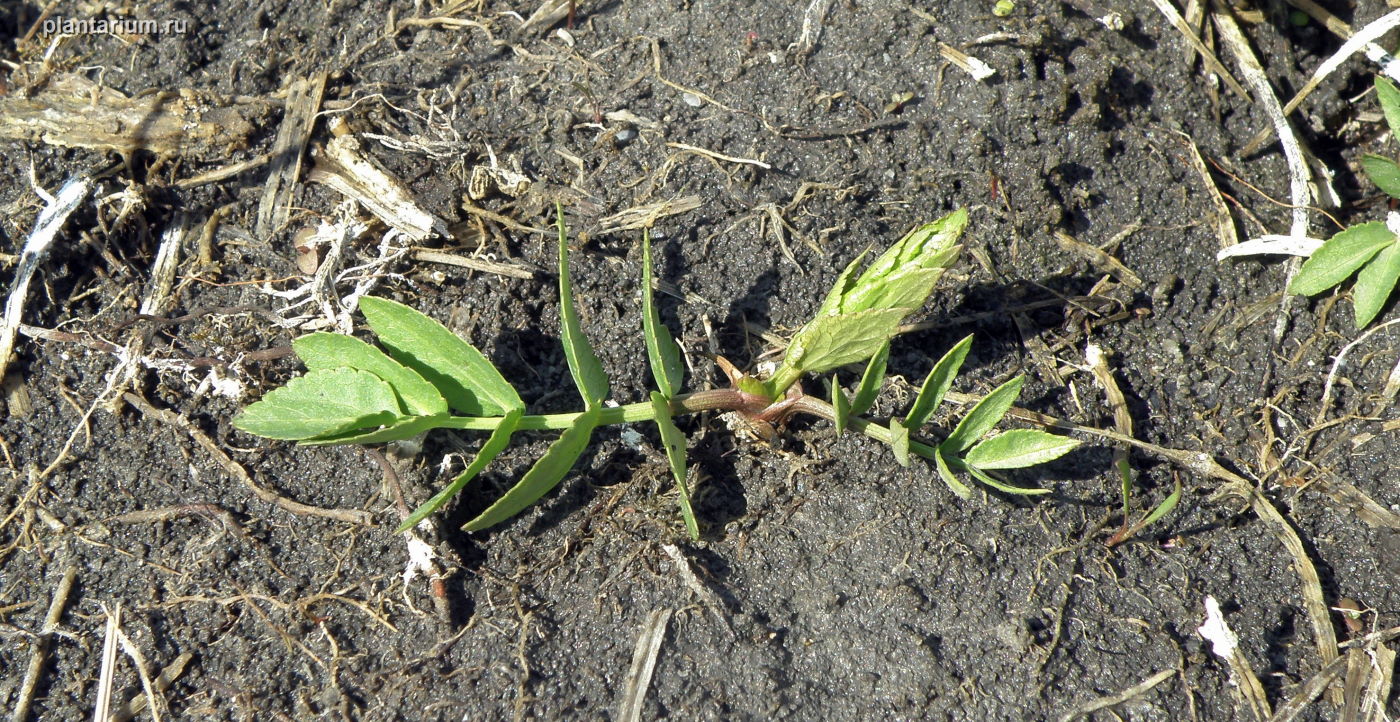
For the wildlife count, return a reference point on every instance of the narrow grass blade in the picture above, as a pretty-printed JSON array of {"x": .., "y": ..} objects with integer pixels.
[
  {"x": 1374, "y": 284},
  {"x": 940, "y": 378},
  {"x": 674, "y": 442},
  {"x": 323, "y": 350},
  {"x": 321, "y": 403},
  {"x": 899, "y": 442},
  {"x": 1018, "y": 449},
  {"x": 984, "y": 416},
  {"x": 1383, "y": 172},
  {"x": 469, "y": 382},
  {"x": 662, "y": 352},
  {"x": 952, "y": 481},
  {"x": 1340, "y": 256},
  {"x": 1164, "y": 508},
  {"x": 588, "y": 373},
  {"x": 870, "y": 381},
  {"x": 840, "y": 405},
  {"x": 500, "y": 439},
  {"x": 544, "y": 475}
]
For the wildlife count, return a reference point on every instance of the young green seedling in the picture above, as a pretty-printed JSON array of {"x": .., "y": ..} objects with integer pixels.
[
  {"x": 1372, "y": 247},
  {"x": 355, "y": 393}
]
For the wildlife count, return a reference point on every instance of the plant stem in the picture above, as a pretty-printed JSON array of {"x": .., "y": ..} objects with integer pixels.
[
  {"x": 718, "y": 399},
  {"x": 715, "y": 400}
]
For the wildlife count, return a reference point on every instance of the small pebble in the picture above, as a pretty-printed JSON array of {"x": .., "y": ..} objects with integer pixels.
[{"x": 691, "y": 99}]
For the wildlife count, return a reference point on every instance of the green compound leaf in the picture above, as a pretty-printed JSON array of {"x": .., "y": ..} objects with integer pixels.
[
  {"x": 946, "y": 474},
  {"x": 1340, "y": 256},
  {"x": 500, "y": 439},
  {"x": 333, "y": 350},
  {"x": 983, "y": 416},
  {"x": 404, "y": 427},
  {"x": 899, "y": 442},
  {"x": 662, "y": 352},
  {"x": 465, "y": 378},
  {"x": 544, "y": 475},
  {"x": 870, "y": 381},
  {"x": 940, "y": 378},
  {"x": 588, "y": 373},
  {"x": 328, "y": 401},
  {"x": 1374, "y": 284},
  {"x": 840, "y": 405},
  {"x": 1383, "y": 172},
  {"x": 1389, "y": 97},
  {"x": 674, "y": 442},
  {"x": 1019, "y": 449}
]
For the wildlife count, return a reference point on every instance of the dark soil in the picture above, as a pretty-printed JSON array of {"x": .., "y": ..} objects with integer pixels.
[{"x": 830, "y": 582}]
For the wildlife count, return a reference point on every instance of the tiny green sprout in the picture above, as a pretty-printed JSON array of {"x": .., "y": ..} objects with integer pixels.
[
  {"x": 422, "y": 377},
  {"x": 1371, "y": 250},
  {"x": 1003, "y": 8}
]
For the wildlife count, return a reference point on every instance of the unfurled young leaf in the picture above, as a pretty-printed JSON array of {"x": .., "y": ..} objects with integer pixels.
[
  {"x": 674, "y": 442},
  {"x": 469, "y": 382},
  {"x": 333, "y": 350},
  {"x": 983, "y": 416},
  {"x": 940, "y": 378},
  {"x": 588, "y": 373},
  {"x": 324, "y": 402},
  {"x": 500, "y": 439},
  {"x": 1374, "y": 284},
  {"x": 840, "y": 405},
  {"x": 1389, "y": 98},
  {"x": 895, "y": 285},
  {"x": 1340, "y": 256},
  {"x": 1383, "y": 172},
  {"x": 833, "y": 341},
  {"x": 870, "y": 381},
  {"x": 544, "y": 475},
  {"x": 1019, "y": 449},
  {"x": 662, "y": 352}
]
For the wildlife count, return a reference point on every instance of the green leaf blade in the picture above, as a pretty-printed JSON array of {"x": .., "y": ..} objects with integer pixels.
[
  {"x": 587, "y": 371},
  {"x": 1018, "y": 449},
  {"x": 945, "y": 473},
  {"x": 982, "y": 417},
  {"x": 1375, "y": 283},
  {"x": 1389, "y": 97},
  {"x": 870, "y": 381},
  {"x": 320, "y": 403},
  {"x": 840, "y": 406},
  {"x": 1340, "y": 256},
  {"x": 899, "y": 442},
  {"x": 829, "y": 342},
  {"x": 499, "y": 440},
  {"x": 939, "y": 380},
  {"x": 323, "y": 350},
  {"x": 1383, "y": 172},
  {"x": 404, "y": 427},
  {"x": 662, "y": 352},
  {"x": 462, "y": 375},
  {"x": 674, "y": 442},
  {"x": 547, "y": 472}
]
